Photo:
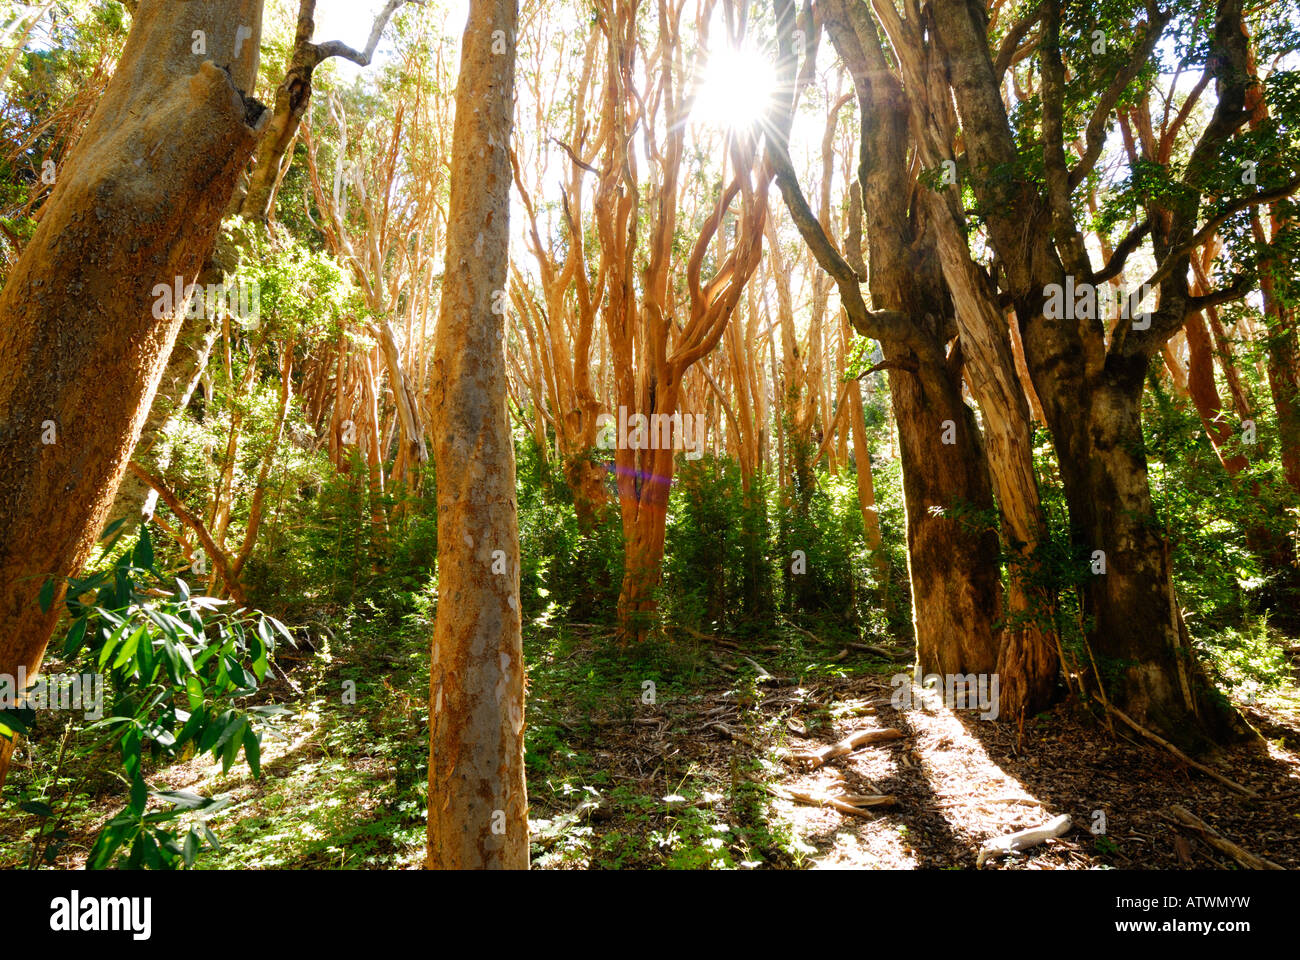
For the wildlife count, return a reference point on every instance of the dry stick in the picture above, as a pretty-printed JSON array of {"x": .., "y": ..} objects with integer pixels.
[
  {"x": 1101, "y": 686},
  {"x": 861, "y": 738},
  {"x": 1231, "y": 784},
  {"x": 733, "y": 734},
  {"x": 1027, "y": 801},
  {"x": 1024, "y": 839},
  {"x": 854, "y": 804},
  {"x": 807, "y": 633},
  {"x": 898, "y": 655},
  {"x": 1220, "y": 842}
]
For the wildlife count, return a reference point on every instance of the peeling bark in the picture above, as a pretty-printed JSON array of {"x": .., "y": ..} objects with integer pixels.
[
  {"x": 478, "y": 806},
  {"x": 138, "y": 204}
]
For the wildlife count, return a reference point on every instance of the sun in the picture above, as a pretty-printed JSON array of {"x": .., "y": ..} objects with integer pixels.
[{"x": 735, "y": 88}]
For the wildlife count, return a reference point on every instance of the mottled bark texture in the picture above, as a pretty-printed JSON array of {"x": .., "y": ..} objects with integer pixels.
[
  {"x": 1091, "y": 389},
  {"x": 81, "y": 353},
  {"x": 478, "y": 806},
  {"x": 952, "y": 554}
]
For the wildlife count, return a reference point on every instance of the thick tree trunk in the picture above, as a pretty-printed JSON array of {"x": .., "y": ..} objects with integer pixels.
[
  {"x": 478, "y": 806},
  {"x": 1091, "y": 399},
  {"x": 138, "y": 204},
  {"x": 952, "y": 545},
  {"x": 952, "y": 549}
]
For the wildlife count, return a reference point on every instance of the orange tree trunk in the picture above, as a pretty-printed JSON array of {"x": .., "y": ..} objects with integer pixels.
[
  {"x": 138, "y": 204},
  {"x": 478, "y": 805}
]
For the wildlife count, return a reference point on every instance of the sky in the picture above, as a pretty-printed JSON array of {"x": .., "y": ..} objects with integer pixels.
[{"x": 351, "y": 20}]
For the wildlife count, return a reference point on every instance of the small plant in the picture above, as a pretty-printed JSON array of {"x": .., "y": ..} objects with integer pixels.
[{"x": 180, "y": 673}]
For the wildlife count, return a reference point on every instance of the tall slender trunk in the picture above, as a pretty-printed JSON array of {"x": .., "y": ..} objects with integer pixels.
[{"x": 478, "y": 804}]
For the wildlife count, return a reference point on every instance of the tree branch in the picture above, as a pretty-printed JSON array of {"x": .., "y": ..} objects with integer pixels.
[
  {"x": 337, "y": 48},
  {"x": 1096, "y": 131},
  {"x": 1239, "y": 287},
  {"x": 1121, "y": 253},
  {"x": 1010, "y": 45},
  {"x": 1213, "y": 224},
  {"x": 194, "y": 523}
]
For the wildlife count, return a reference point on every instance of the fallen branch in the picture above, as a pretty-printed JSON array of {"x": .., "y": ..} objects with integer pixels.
[
  {"x": 854, "y": 741},
  {"x": 1217, "y": 840},
  {"x": 898, "y": 655},
  {"x": 1024, "y": 839},
  {"x": 854, "y": 804},
  {"x": 1027, "y": 801},
  {"x": 1209, "y": 772},
  {"x": 733, "y": 734},
  {"x": 807, "y": 633}
]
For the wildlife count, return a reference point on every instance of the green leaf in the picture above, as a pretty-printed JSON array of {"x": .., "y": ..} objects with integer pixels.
[
  {"x": 193, "y": 724},
  {"x": 143, "y": 555},
  {"x": 212, "y": 838},
  {"x": 271, "y": 710},
  {"x": 106, "y": 650},
  {"x": 113, "y": 527},
  {"x": 76, "y": 637},
  {"x": 37, "y": 808},
  {"x": 46, "y": 597},
  {"x": 284, "y": 631},
  {"x": 191, "y": 849},
  {"x": 139, "y": 795},
  {"x": 253, "y": 752},
  {"x": 108, "y": 842},
  {"x": 232, "y": 745},
  {"x": 129, "y": 648},
  {"x": 236, "y": 672},
  {"x": 11, "y": 723},
  {"x": 185, "y": 799},
  {"x": 264, "y": 632},
  {"x": 215, "y": 734}
]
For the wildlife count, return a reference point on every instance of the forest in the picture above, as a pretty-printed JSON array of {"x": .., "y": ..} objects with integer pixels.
[{"x": 649, "y": 435}]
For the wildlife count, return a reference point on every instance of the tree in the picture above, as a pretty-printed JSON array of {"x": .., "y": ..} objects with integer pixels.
[
  {"x": 952, "y": 555},
  {"x": 136, "y": 205},
  {"x": 1090, "y": 384},
  {"x": 478, "y": 806},
  {"x": 651, "y": 353},
  {"x": 1028, "y": 660}
]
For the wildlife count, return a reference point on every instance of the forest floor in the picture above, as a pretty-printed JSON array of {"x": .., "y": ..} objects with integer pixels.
[{"x": 685, "y": 754}]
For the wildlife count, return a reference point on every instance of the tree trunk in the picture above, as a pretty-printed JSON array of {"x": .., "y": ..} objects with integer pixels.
[
  {"x": 478, "y": 806},
  {"x": 952, "y": 546},
  {"x": 1091, "y": 397},
  {"x": 138, "y": 204}
]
